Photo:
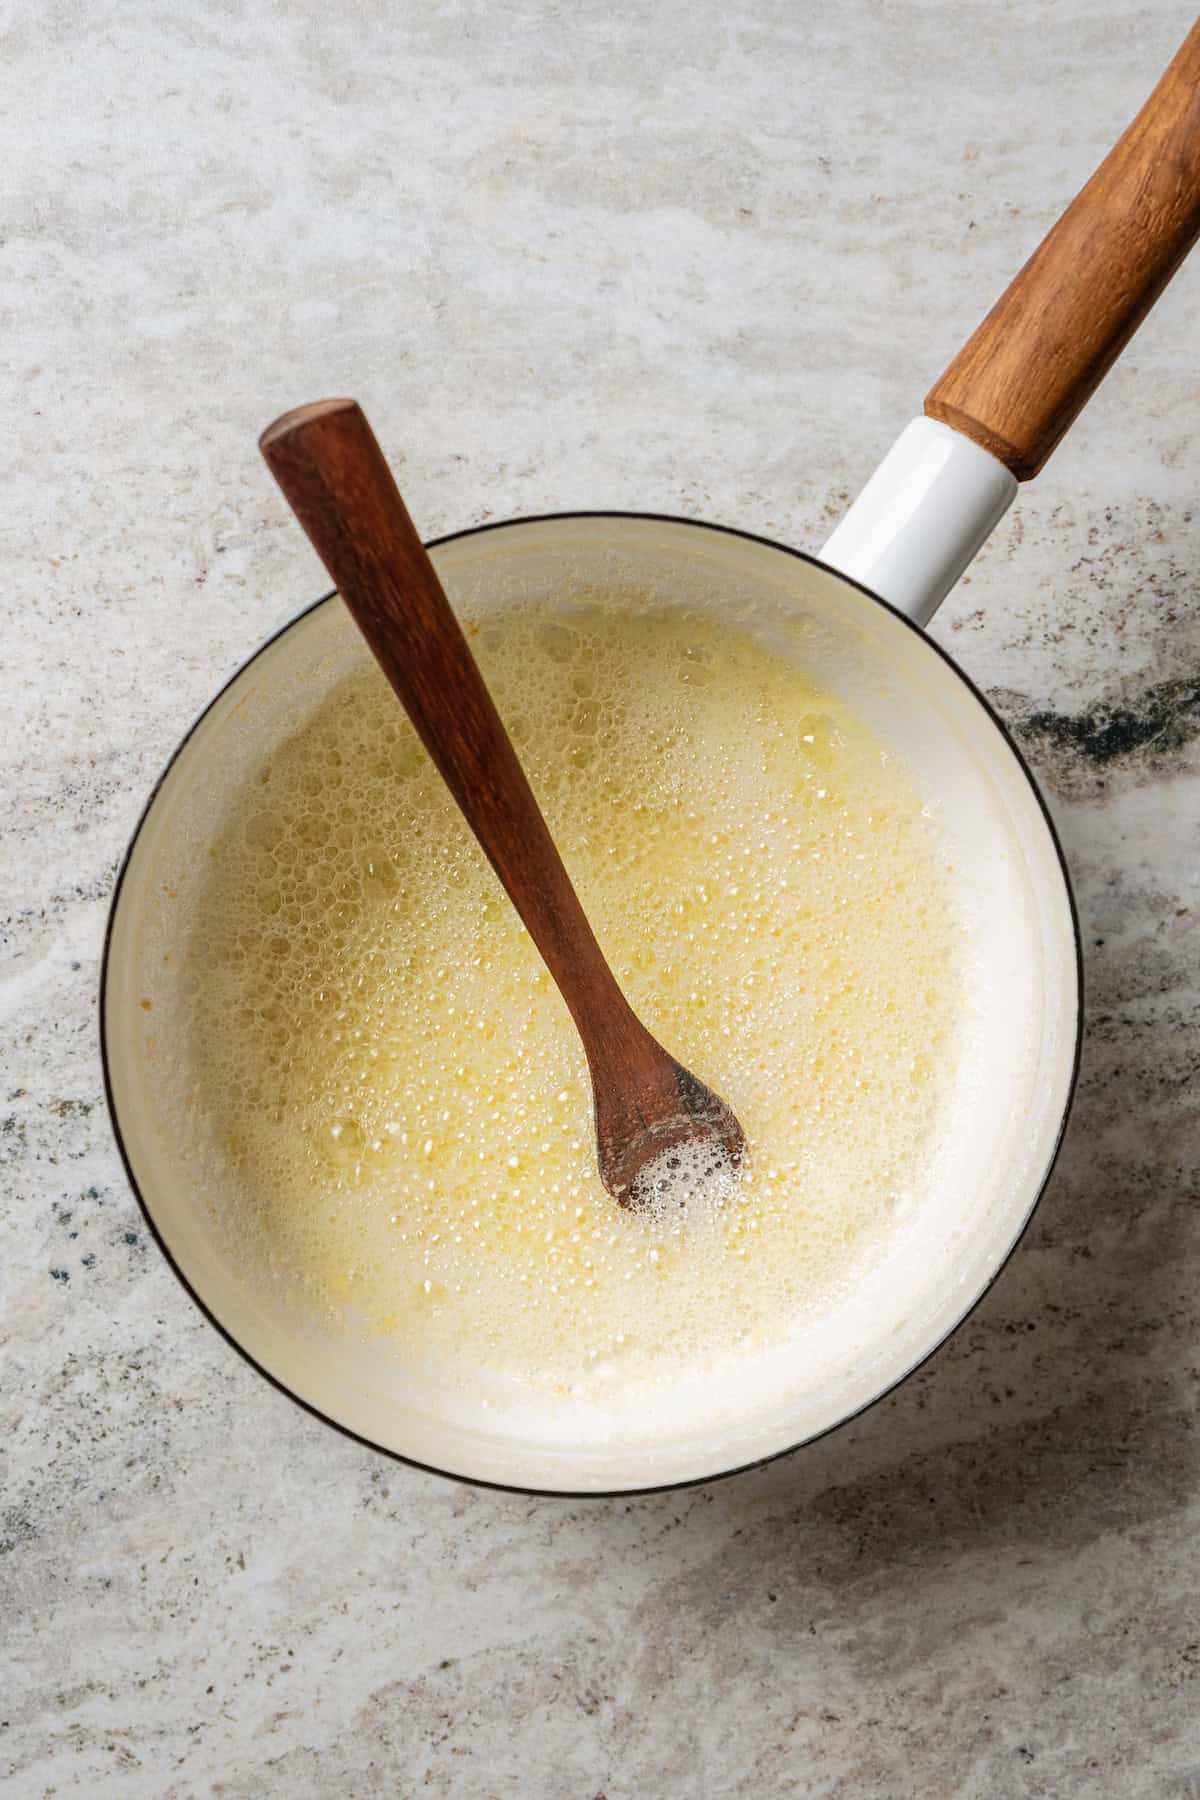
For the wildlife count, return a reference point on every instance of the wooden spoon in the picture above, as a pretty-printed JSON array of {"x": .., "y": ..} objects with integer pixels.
[{"x": 337, "y": 482}]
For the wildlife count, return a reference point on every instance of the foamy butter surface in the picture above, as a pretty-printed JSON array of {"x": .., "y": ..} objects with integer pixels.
[{"x": 382, "y": 1062}]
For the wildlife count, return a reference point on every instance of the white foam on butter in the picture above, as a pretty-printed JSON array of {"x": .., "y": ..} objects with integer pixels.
[
  {"x": 393, "y": 1089},
  {"x": 686, "y": 1182}
]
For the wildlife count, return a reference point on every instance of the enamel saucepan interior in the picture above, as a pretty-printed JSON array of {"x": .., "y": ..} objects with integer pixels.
[
  {"x": 1000, "y": 1126},
  {"x": 990, "y": 421}
]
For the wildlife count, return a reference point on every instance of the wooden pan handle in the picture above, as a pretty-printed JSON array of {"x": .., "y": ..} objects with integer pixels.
[{"x": 1053, "y": 335}]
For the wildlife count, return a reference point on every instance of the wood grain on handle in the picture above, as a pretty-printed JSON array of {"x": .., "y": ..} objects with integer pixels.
[
  {"x": 328, "y": 463},
  {"x": 1050, "y": 339}
]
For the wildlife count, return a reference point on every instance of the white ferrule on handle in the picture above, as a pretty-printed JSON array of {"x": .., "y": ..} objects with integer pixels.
[{"x": 926, "y": 510}]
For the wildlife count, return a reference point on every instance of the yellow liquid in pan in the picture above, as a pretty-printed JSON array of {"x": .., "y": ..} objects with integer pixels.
[{"x": 397, "y": 1086}]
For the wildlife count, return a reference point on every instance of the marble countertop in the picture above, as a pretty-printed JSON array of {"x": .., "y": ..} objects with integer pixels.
[{"x": 678, "y": 257}]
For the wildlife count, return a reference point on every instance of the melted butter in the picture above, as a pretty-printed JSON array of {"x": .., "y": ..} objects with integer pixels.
[{"x": 398, "y": 1090}]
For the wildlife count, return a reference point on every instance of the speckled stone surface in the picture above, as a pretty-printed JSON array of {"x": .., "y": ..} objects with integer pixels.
[{"x": 683, "y": 257}]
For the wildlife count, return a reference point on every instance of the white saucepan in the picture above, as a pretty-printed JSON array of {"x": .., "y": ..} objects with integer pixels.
[{"x": 858, "y": 613}]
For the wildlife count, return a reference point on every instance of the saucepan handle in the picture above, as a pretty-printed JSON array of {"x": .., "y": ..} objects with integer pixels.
[{"x": 1002, "y": 405}]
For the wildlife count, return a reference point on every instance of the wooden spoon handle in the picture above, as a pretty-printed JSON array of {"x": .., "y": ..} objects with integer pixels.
[
  {"x": 1051, "y": 338},
  {"x": 334, "y": 475}
]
